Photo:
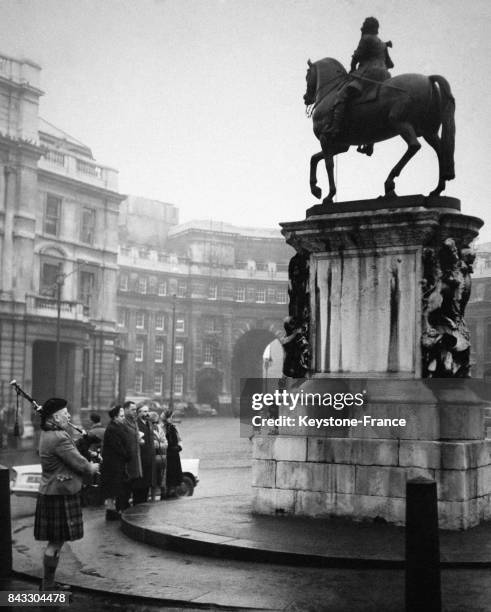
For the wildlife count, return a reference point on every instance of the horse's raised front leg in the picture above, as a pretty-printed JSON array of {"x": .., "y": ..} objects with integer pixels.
[
  {"x": 407, "y": 132},
  {"x": 434, "y": 141},
  {"x": 329, "y": 157},
  {"x": 314, "y": 161}
]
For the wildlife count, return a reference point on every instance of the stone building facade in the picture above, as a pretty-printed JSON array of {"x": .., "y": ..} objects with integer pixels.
[
  {"x": 478, "y": 314},
  {"x": 228, "y": 288},
  {"x": 58, "y": 246}
]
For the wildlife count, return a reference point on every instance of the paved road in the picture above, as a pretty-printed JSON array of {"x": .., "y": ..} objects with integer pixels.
[
  {"x": 225, "y": 459},
  {"x": 81, "y": 601},
  {"x": 225, "y": 470},
  {"x": 215, "y": 440}
]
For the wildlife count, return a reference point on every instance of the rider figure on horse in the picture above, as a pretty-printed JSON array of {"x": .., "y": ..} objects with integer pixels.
[{"x": 370, "y": 62}]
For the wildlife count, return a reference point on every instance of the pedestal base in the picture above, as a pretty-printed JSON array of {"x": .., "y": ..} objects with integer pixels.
[
  {"x": 360, "y": 471},
  {"x": 366, "y": 478}
]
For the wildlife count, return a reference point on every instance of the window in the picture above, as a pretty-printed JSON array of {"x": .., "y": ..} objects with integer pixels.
[
  {"x": 208, "y": 354},
  {"x": 159, "y": 351},
  {"x": 178, "y": 384},
  {"x": 271, "y": 294},
  {"x": 160, "y": 321},
  {"x": 212, "y": 292},
  {"x": 179, "y": 325},
  {"x": 179, "y": 353},
  {"x": 210, "y": 325},
  {"x": 140, "y": 319},
  {"x": 158, "y": 384},
  {"x": 86, "y": 288},
  {"x": 123, "y": 281},
  {"x": 88, "y": 225},
  {"x": 52, "y": 214},
  {"x": 143, "y": 253},
  {"x": 139, "y": 349},
  {"x": 123, "y": 317},
  {"x": 182, "y": 289},
  {"x": 162, "y": 288},
  {"x": 281, "y": 296},
  {"x": 260, "y": 296},
  {"x": 139, "y": 382},
  {"x": 240, "y": 294},
  {"x": 142, "y": 284},
  {"x": 49, "y": 275},
  {"x": 152, "y": 285}
]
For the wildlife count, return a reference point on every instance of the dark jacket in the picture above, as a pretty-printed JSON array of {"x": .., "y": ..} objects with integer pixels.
[
  {"x": 115, "y": 456},
  {"x": 133, "y": 466},
  {"x": 174, "y": 469},
  {"x": 147, "y": 453},
  {"x": 63, "y": 466}
]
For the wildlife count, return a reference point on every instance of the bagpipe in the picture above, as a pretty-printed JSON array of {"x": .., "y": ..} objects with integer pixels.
[
  {"x": 20, "y": 392},
  {"x": 90, "y": 490}
]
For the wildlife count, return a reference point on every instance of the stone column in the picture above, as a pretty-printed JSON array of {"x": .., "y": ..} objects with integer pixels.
[{"x": 386, "y": 291}]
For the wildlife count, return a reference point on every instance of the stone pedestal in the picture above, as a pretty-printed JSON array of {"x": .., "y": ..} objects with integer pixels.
[{"x": 369, "y": 299}]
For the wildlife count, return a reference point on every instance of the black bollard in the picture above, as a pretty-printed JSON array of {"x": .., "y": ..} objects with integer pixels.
[
  {"x": 423, "y": 589},
  {"x": 5, "y": 525}
]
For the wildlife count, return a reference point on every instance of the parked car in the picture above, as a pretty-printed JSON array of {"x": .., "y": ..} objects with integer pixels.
[
  {"x": 26, "y": 479},
  {"x": 193, "y": 410}
]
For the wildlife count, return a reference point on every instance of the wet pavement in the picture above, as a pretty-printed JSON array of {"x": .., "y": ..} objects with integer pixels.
[
  {"x": 83, "y": 600},
  {"x": 110, "y": 571},
  {"x": 225, "y": 526},
  {"x": 109, "y": 562}
]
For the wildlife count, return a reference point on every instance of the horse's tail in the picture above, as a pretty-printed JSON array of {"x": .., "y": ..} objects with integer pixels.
[{"x": 447, "y": 116}]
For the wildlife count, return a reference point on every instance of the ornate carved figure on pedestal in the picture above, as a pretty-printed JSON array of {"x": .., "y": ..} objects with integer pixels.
[
  {"x": 296, "y": 341},
  {"x": 356, "y": 109},
  {"x": 446, "y": 291}
]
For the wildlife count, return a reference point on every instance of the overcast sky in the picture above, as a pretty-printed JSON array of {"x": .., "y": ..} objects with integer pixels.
[{"x": 199, "y": 102}]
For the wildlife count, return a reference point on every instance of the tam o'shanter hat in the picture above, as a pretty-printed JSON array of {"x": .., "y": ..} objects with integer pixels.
[{"x": 52, "y": 405}]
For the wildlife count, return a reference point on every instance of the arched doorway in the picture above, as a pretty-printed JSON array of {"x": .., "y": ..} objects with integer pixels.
[
  {"x": 273, "y": 360},
  {"x": 208, "y": 386},
  {"x": 247, "y": 359}
]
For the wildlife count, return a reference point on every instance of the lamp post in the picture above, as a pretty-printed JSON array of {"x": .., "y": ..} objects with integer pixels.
[
  {"x": 60, "y": 280},
  {"x": 172, "y": 350}
]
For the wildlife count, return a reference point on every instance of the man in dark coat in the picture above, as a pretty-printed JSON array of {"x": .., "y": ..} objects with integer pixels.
[
  {"x": 133, "y": 465},
  {"x": 141, "y": 486},
  {"x": 115, "y": 456}
]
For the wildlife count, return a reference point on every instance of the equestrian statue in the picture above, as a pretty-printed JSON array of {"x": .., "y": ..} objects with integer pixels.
[{"x": 368, "y": 105}]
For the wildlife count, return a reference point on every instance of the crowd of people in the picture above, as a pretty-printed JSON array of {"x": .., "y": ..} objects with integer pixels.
[
  {"x": 140, "y": 457},
  {"x": 136, "y": 458}
]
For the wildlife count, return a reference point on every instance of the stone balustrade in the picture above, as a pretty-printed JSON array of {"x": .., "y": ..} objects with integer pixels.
[{"x": 47, "y": 307}]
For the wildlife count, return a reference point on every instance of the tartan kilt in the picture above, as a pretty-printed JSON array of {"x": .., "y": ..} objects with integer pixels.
[{"x": 58, "y": 518}]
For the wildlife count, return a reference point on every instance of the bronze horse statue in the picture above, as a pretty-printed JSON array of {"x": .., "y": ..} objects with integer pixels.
[{"x": 408, "y": 105}]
